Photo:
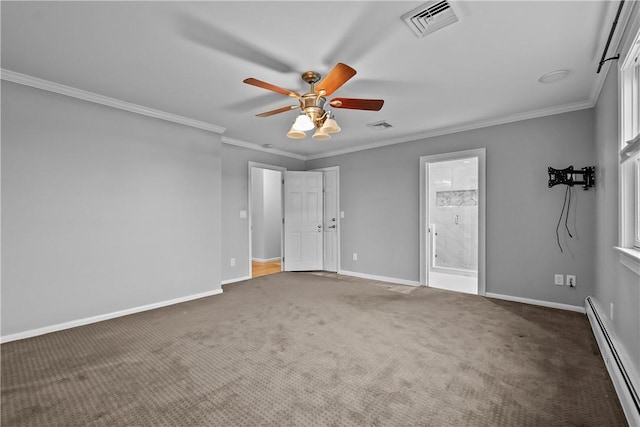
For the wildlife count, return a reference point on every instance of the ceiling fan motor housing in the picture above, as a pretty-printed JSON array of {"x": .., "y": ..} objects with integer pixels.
[{"x": 313, "y": 106}]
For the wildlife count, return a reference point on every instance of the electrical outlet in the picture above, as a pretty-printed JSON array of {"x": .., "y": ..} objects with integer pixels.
[
  {"x": 233, "y": 262},
  {"x": 559, "y": 279},
  {"x": 355, "y": 256},
  {"x": 571, "y": 281}
]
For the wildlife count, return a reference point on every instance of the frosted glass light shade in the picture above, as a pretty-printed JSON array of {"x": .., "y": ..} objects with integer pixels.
[
  {"x": 295, "y": 134},
  {"x": 303, "y": 123},
  {"x": 330, "y": 126},
  {"x": 321, "y": 134}
]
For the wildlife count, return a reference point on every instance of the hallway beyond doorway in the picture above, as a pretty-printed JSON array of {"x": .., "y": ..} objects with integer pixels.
[{"x": 264, "y": 268}]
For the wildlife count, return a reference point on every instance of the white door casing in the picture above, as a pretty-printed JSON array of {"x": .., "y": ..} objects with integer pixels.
[
  {"x": 303, "y": 225},
  {"x": 425, "y": 240}
]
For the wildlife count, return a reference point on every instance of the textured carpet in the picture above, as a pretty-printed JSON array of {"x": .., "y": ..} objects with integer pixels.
[{"x": 298, "y": 349}]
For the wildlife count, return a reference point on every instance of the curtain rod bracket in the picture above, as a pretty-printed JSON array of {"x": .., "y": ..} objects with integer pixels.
[{"x": 613, "y": 58}]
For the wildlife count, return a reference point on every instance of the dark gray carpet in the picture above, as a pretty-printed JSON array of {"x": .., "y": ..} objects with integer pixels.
[{"x": 298, "y": 349}]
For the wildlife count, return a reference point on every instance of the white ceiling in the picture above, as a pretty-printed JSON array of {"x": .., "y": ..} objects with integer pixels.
[{"x": 189, "y": 59}]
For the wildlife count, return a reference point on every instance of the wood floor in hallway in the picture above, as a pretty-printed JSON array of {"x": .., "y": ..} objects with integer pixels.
[{"x": 264, "y": 268}]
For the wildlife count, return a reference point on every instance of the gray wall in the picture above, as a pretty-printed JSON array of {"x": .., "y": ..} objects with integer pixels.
[
  {"x": 103, "y": 210},
  {"x": 379, "y": 191},
  {"x": 614, "y": 283},
  {"x": 235, "y": 197}
]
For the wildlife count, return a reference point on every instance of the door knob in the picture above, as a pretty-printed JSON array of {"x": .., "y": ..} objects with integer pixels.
[{"x": 332, "y": 226}]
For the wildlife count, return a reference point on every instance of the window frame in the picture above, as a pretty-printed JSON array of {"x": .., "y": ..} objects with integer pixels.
[
  {"x": 629, "y": 149},
  {"x": 636, "y": 235}
]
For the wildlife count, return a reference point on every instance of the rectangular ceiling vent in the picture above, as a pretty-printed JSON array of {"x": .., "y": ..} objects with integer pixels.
[
  {"x": 430, "y": 17},
  {"x": 380, "y": 125}
]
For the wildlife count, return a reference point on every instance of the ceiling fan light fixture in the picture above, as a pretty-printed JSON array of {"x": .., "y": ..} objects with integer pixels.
[
  {"x": 295, "y": 133},
  {"x": 303, "y": 123},
  {"x": 330, "y": 125},
  {"x": 321, "y": 134}
]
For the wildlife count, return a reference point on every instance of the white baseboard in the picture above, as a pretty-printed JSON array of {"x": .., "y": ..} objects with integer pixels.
[
  {"x": 101, "y": 317},
  {"x": 235, "y": 279},
  {"x": 379, "y": 278},
  {"x": 623, "y": 376},
  {"x": 266, "y": 259},
  {"x": 549, "y": 304}
]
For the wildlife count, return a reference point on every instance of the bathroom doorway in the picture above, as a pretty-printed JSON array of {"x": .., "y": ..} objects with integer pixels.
[{"x": 453, "y": 221}]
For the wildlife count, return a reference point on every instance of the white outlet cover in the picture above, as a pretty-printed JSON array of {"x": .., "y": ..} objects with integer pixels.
[
  {"x": 559, "y": 279},
  {"x": 243, "y": 214}
]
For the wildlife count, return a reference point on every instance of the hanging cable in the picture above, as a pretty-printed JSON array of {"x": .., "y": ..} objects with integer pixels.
[
  {"x": 564, "y": 204},
  {"x": 566, "y": 218}
]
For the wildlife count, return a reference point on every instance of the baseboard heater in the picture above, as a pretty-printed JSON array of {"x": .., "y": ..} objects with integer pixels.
[{"x": 622, "y": 380}]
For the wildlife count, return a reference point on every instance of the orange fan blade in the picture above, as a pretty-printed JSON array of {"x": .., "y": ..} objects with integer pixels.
[
  {"x": 336, "y": 78},
  {"x": 357, "y": 104},
  {"x": 278, "y": 111},
  {"x": 269, "y": 86}
]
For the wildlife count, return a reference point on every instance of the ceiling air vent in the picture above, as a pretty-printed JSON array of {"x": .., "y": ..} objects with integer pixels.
[
  {"x": 379, "y": 125},
  {"x": 430, "y": 17}
]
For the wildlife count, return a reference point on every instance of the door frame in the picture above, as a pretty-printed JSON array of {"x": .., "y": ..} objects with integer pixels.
[
  {"x": 338, "y": 227},
  {"x": 251, "y": 166},
  {"x": 480, "y": 153}
]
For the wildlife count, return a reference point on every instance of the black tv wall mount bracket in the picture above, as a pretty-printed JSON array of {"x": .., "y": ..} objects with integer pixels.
[{"x": 568, "y": 176}]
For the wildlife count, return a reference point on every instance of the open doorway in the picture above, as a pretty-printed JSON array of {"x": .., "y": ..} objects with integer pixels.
[
  {"x": 265, "y": 208},
  {"x": 452, "y": 221},
  {"x": 267, "y": 201}
]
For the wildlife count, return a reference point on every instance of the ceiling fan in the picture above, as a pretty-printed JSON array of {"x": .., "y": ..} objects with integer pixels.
[{"x": 312, "y": 103}]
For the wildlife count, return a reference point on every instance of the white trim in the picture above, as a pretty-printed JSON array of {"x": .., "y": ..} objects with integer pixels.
[
  {"x": 550, "y": 111},
  {"x": 549, "y": 304},
  {"x": 379, "y": 278},
  {"x": 35, "y": 82},
  {"x": 26, "y": 80},
  {"x": 102, "y": 317},
  {"x": 266, "y": 259},
  {"x": 235, "y": 280},
  {"x": 251, "y": 146},
  {"x": 618, "y": 365},
  {"x": 630, "y": 258}
]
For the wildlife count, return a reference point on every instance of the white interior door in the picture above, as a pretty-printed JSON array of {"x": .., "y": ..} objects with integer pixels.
[{"x": 303, "y": 221}]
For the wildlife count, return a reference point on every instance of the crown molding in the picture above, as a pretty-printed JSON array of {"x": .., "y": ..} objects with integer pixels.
[
  {"x": 251, "y": 146},
  {"x": 26, "y": 80},
  {"x": 37, "y": 83},
  {"x": 559, "y": 109}
]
